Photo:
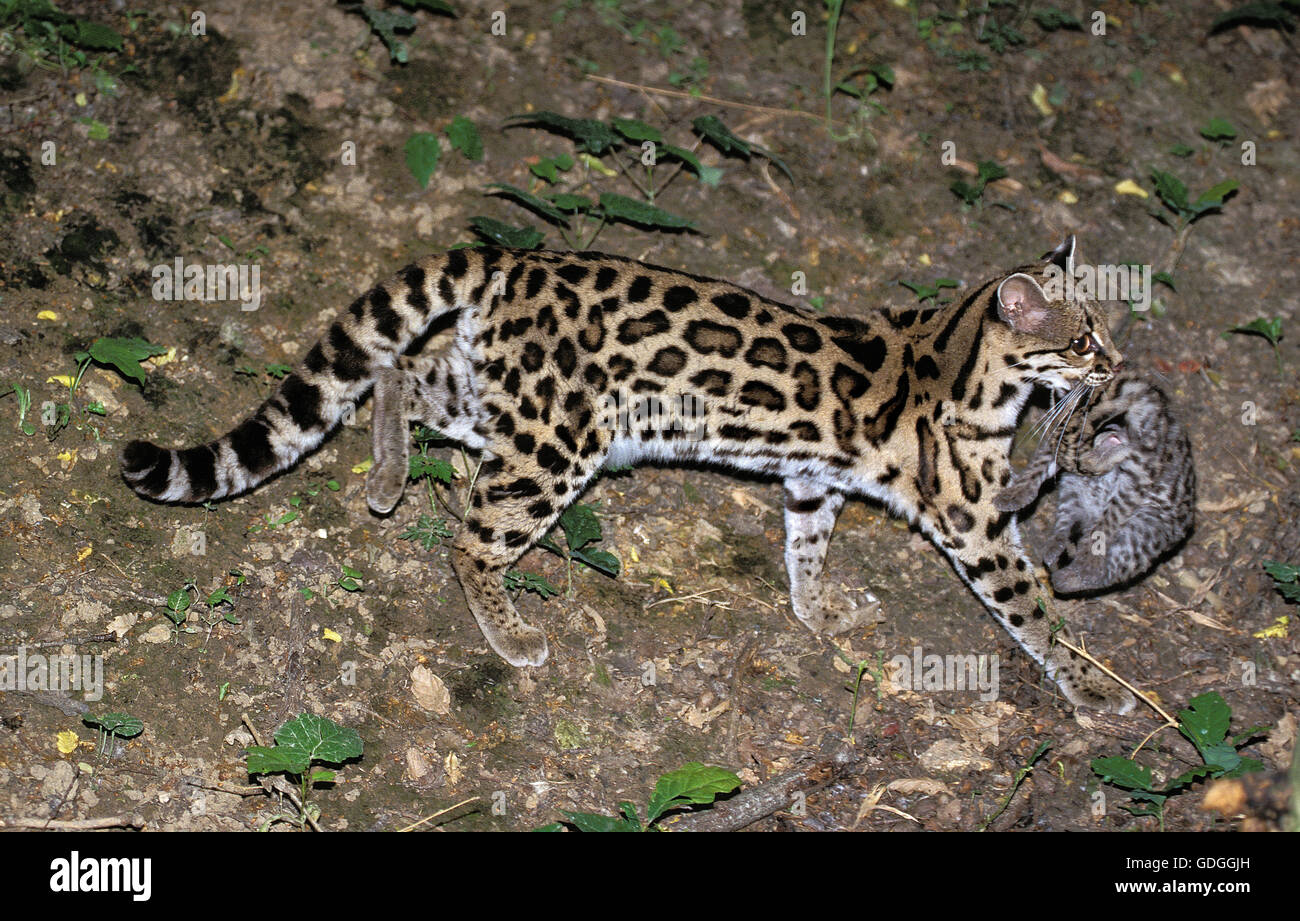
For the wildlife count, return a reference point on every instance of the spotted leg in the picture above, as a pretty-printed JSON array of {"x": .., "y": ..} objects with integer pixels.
[
  {"x": 810, "y": 512},
  {"x": 998, "y": 571},
  {"x": 390, "y": 441}
]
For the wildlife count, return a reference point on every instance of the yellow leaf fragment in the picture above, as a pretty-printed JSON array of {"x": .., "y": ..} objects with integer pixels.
[
  {"x": 1275, "y": 632},
  {"x": 364, "y": 465},
  {"x": 47, "y": 315},
  {"x": 67, "y": 741},
  {"x": 1129, "y": 187},
  {"x": 1038, "y": 96},
  {"x": 331, "y": 635},
  {"x": 1068, "y": 198}
]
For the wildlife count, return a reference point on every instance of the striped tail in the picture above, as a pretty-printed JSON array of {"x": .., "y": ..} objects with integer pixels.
[{"x": 330, "y": 384}]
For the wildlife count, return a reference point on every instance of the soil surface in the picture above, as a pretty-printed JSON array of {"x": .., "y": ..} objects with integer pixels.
[{"x": 277, "y": 138}]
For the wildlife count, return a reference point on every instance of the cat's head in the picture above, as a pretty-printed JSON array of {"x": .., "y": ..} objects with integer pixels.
[{"x": 1058, "y": 329}]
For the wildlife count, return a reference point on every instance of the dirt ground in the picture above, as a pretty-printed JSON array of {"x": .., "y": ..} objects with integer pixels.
[{"x": 234, "y": 142}]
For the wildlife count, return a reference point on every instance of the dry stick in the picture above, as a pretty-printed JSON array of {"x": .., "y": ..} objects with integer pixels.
[
  {"x": 69, "y": 641},
  {"x": 759, "y": 802},
  {"x": 281, "y": 787},
  {"x": 1169, "y": 720},
  {"x": 430, "y": 818},
  {"x": 120, "y": 821}
]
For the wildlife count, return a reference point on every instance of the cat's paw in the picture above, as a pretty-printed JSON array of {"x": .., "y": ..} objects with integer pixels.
[
  {"x": 841, "y": 611},
  {"x": 1085, "y": 685},
  {"x": 521, "y": 645}
]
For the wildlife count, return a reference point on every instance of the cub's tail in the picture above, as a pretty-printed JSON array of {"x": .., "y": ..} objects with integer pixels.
[{"x": 329, "y": 384}]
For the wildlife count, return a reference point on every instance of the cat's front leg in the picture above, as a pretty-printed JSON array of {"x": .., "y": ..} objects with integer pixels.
[
  {"x": 810, "y": 513},
  {"x": 986, "y": 552}
]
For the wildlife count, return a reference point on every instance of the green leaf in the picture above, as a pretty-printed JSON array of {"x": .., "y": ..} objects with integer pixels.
[
  {"x": 590, "y": 821},
  {"x": 118, "y": 724},
  {"x": 1269, "y": 329},
  {"x": 1282, "y": 572},
  {"x": 464, "y": 137},
  {"x": 622, "y": 208},
  {"x": 1182, "y": 150},
  {"x": 263, "y": 760},
  {"x": 990, "y": 171},
  {"x": 529, "y": 200},
  {"x": 566, "y": 201},
  {"x": 422, "y": 153},
  {"x": 580, "y": 525},
  {"x": 179, "y": 601},
  {"x": 123, "y": 354},
  {"x": 549, "y": 169},
  {"x": 693, "y": 783},
  {"x": 709, "y": 175},
  {"x": 592, "y": 136},
  {"x": 1214, "y": 196},
  {"x": 1171, "y": 190},
  {"x": 1272, "y": 15},
  {"x": 1205, "y": 722},
  {"x": 635, "y": 130},
  {"x": 1218, "y": 129},
  {"x": 320, "y": 738},
  {"x": 386, "y": 25},
  {"x": 434, "y": 6},
  {"x": 515, "y": 581},
  {"x": 93, "y": 35},
  {"x": 321, "y": 775},
  {"x": 601, "y": 560},
  {"x": 433, "y": 467},
  {"x": 712, "y": 129},
  {"x": 505, "y": 235},
  {"x": 1123, "y": 772},
  {"x": 1164, "y": 278}
]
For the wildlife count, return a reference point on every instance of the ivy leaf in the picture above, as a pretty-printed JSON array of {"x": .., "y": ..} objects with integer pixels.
[
  {"x": 1171, "y": 190},
  {"x": 711, "y": 128},
  {"x": 693, "y": 783},
  {"x": 422, "y": 153},
  {"x": 1214, "y": 196},
  {"x": 123, "y": 354},
  {"x": 464, "y": 137}
]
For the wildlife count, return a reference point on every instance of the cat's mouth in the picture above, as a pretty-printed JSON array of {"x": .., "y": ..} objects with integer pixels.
[{"x": 1098, "y": 376}]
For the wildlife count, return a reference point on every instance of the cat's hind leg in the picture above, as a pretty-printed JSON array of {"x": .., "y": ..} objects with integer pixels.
[{"x": 810, "y": 513}]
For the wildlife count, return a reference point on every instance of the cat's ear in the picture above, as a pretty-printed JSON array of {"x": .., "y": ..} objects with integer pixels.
[
  {"x": 1063, "y": 256},
  {"x": 1022, "y": 305}
]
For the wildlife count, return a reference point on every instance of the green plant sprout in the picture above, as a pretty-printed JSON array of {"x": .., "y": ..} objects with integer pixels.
[
  {"x": 113, "y": 724},
  {"x": 1269, "y": 329},
  {"x": 693, "y": 784},
  {"x": 301, "y": 742}
]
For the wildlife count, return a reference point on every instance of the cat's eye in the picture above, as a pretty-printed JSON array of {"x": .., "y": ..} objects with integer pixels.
[{"x": 1083, "y": 345}]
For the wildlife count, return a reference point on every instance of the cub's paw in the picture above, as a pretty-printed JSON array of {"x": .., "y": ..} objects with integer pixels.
[
  {"x": 1016, "y": 496},
  {"x": 1085, "y": 574}
]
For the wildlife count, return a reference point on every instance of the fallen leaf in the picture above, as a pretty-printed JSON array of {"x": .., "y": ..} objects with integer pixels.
[
  {"x": 429, "y": 691},
  {"x": 1129, "y": 187}
]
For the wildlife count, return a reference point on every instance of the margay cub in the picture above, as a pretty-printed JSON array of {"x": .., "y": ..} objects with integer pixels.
[
  {"x": 1126, "y": 493},
  {"x": 915, "y": 408}
]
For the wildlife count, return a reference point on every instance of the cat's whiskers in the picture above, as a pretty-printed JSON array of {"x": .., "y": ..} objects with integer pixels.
[{"x": 1084, "y": 397}]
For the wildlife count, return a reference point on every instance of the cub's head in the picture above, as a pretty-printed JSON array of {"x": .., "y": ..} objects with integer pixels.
[{"x": 1058, "y": 333}]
